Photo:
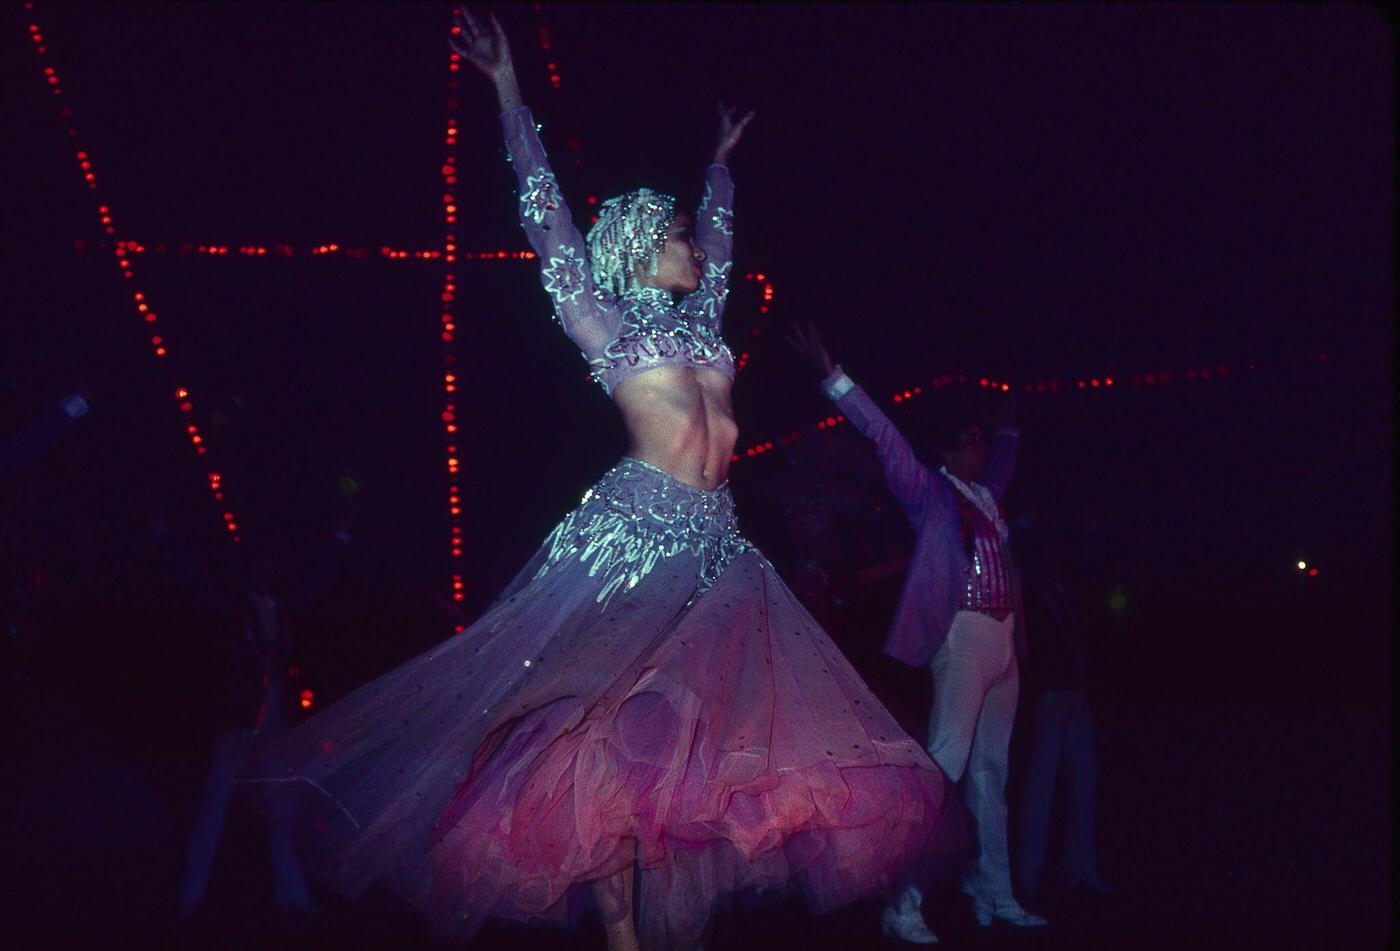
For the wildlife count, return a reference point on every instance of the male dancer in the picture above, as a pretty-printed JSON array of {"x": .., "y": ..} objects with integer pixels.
[{"x": 957, "y": 616}]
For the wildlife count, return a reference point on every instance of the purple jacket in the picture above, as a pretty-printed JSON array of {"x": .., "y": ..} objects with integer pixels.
[{"x": 939, "y": 566}]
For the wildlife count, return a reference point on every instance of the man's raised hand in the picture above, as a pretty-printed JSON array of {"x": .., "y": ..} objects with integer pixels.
[{"x": 808, "y": 344}]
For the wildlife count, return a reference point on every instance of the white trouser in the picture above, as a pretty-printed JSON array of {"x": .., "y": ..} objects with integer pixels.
[{"x": 975, "y": 682}]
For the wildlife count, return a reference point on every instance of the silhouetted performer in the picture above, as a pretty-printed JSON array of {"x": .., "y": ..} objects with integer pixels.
[
  {"x": 265, "y": 629},
  {"x": 19, "y": 449},
  {"x": 1062, "y": 742}
]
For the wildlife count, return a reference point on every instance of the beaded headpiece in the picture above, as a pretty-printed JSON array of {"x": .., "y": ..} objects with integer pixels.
[{"x": 631, "y": 230}]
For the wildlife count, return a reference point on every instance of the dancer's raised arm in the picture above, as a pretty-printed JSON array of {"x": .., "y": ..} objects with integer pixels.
[
  {"x": 591, "y": 323},
  {"x": 714, "y": 220}
]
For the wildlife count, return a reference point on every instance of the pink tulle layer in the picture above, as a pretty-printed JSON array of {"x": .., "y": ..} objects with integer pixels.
[
  {"x": 720, "y": 742},
  {"x": 745, "y": 753}
]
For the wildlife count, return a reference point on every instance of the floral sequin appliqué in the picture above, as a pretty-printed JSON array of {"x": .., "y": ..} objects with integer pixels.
[{"x": 635, "y": 517}]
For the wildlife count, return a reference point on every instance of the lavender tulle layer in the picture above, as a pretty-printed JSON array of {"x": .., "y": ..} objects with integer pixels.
[{"x": 645, "y": 690}]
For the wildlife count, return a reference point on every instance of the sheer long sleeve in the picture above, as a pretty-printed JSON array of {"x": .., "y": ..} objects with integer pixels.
[
  {"x": 714, "y": 234},
  {"x": 590, "y": 319}
]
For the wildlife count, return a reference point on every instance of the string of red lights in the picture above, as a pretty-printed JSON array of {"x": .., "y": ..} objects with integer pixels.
[
  {"x": 1147, "y": 379},
  {"x": 281, "y": 249},
  {"x": 449, "y": 323},
  {"x": 766, "y": 292},
  {"x": 123, "y": 253}
]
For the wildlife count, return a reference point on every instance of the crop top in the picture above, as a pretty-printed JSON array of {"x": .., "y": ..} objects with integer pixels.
[{"x": 621, "y": 337}]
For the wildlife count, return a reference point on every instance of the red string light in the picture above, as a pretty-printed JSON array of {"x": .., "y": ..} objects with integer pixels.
[
  {"x": 279, "y": 249},
  {"x": 123, "y": 252},
  {"x": 448, "y": 256},
  {"x": 766, "y": 298},
  {"x": 1049, "y": 385}
]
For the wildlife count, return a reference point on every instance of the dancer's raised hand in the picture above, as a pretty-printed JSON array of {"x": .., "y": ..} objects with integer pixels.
[
  {"x": 486, "y": 49},
  {"x": 729, "y": 132},
  {"x": 808, "y": 344}
]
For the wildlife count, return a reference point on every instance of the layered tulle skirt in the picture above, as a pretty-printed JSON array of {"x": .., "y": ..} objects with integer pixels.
[{"x": 648, "y": 691}]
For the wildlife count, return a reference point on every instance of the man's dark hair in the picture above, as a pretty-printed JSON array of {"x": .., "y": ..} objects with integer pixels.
[{"x": 939, "y": 428}]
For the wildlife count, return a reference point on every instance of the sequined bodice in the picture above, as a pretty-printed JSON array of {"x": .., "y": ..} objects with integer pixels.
[{"x": 656, "y": 332}]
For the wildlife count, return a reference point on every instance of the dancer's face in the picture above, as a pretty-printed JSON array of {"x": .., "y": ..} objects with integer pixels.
[{"x": 678, "y": 265}]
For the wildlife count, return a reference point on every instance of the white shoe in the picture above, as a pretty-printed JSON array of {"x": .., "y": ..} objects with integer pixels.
[
  {"x": 904, "y": 920},
  {"x": 1008, "y": 910}
]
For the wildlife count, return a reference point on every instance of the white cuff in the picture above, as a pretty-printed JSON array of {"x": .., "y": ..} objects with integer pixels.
[
  {"x": 838, "y": 384},
  {"x": 75, "y": 406}
]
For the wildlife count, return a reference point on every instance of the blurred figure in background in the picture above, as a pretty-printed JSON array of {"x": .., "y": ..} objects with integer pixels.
[
  {"x": 24, "y": 441},
  {"x": 265, "y": 690},
  {"x": 1062, "y": 742}
]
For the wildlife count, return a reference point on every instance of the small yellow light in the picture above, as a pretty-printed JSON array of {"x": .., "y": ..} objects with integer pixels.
[{"x": 1302, "y": 566}]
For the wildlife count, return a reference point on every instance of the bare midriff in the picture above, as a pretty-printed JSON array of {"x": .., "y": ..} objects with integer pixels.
[{"x": 680, "y": 419}]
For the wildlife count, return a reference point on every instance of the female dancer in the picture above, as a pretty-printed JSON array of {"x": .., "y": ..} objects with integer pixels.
[{"x": 646, "y": 694}]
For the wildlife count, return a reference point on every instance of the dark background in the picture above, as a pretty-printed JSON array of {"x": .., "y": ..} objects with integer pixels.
[{"x": 1011, "y": 191}]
